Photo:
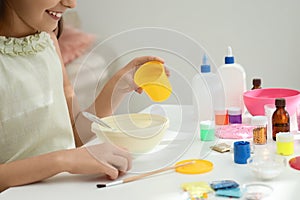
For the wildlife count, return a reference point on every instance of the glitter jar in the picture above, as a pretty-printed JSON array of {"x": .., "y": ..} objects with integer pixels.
[{"x": 260, "y": 129}]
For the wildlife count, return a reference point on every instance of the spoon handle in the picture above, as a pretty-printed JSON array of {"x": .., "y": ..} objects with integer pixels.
[{"x": 95, "y": 119}]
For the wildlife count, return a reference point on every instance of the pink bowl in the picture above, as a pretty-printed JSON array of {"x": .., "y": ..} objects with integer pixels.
[{"x": 255, "y": 100}]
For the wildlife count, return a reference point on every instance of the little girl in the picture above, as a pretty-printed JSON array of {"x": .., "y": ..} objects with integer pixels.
[{"x": 41, "y": 125}]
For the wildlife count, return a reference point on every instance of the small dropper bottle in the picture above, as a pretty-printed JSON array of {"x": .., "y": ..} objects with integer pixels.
[
  {"x": 256, "y": 82},
  {"x": 280, "y": 118}
]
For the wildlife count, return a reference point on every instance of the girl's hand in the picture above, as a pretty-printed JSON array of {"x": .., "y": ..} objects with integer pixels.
[
  {"x": 96, "y": 159},
  {"x": 126, "y": 74},
  {"x": 119, "y": 86}
]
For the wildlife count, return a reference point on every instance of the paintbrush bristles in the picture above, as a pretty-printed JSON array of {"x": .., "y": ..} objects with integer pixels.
[
  {"x": 101, "y": 185},
  {"x": 110, "y": 184}
]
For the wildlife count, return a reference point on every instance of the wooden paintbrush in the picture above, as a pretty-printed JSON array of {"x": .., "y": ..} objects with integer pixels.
[{"x": 137, "y": 177}]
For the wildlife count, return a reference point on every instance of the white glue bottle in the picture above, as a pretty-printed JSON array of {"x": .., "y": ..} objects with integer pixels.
[
  {"x": 208, "y": 92},
  {"x": 234, "y": 82}
]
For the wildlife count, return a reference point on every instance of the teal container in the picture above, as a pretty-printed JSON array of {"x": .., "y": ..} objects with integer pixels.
[{"x": 207, "y": 130}]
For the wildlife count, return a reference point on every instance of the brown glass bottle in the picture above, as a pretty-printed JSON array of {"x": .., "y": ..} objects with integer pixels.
[
  {"x": 280, "y": 118},
  {"x": 256, "y": 82}
]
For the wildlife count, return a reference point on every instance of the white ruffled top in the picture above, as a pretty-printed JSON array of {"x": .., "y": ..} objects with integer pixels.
[
  {"x": 34, "y": 116},
  {"x": 28, "y": 45}
]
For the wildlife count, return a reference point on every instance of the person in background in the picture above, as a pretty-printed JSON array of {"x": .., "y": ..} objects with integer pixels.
[{"x": 42, "y": 130}]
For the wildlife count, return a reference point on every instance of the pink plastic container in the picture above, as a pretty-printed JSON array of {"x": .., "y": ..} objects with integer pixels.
[{"x": 255, "y": 100}]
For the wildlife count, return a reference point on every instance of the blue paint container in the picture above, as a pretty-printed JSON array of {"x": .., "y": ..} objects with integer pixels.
[{"x": 241, "y": 151}]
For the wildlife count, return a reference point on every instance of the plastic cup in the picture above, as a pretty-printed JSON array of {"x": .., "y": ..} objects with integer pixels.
[
  {"x": 152, "y": 78},
  {"x": 207, "y": 130},
  {"x": 221, "y": 117}
]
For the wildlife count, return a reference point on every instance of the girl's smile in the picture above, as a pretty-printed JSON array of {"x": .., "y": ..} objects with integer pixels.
[
  {"x": 55, "y": 14},
  {"x": 30, "y": 16}
]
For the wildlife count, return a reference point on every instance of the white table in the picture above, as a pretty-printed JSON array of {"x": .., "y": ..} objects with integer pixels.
[{"x": 161, "y": 187}]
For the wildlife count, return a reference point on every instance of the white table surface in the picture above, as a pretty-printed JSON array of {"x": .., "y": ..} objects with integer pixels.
[{"x": 165, "y": 186}]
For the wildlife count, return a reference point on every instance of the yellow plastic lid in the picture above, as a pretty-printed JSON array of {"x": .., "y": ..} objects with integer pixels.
[{"x": 198, "y": 167}]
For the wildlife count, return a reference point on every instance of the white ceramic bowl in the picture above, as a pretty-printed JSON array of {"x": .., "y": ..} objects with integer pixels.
[
  {"x": 266, "y": 168},
  {"x": 137, "y": 132}
]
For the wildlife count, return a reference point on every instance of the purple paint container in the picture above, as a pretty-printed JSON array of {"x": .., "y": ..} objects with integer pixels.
[{"x": 235, "y": 115}]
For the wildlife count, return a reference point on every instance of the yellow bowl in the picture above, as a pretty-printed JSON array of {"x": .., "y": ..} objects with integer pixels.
[{"x": 137, "y": 132}]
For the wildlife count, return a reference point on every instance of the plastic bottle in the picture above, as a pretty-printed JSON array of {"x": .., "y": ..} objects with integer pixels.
[
  {"x": 280, "y": 118},
  {"x": 256, "y": 83},
  {"x": 208, "y": 92},
  {"x": 234, "y": 81}
]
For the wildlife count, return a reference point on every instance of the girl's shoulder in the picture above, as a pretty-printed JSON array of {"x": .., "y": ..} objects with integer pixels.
[{"x": 27, "y": 45}]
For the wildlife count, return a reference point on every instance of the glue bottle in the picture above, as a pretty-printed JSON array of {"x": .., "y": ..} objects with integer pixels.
[
  {"x": 234, "y": 82},
  {"x": 208, "y": 92}
]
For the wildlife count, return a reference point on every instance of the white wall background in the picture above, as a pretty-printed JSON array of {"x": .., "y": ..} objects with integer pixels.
[{"x": 264, "y": 34}]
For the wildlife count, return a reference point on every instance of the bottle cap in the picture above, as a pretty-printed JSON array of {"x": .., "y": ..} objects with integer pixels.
[
  {"x": 280, "y": 102},
  {"x": 295, "y": 162},
  {"x": 229, "y": 59},
  {"x": 234, "y": 111},
  {"x": 205, "y": 67},
  {"x": 256, "y": 81},
  {"x": 284, "y": 137},
  {"x": 207, "y": 124},
  {"x": 221, "y": 112},
  {"x": 198, "y": 167},
  {"x": 259, "y": 121}
]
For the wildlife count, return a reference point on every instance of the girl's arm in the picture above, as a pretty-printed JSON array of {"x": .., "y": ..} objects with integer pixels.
[
  {"x": 96, "y": 159},
  {"x": 30, "y": 170},
  {"x": 81, "y": 126}
]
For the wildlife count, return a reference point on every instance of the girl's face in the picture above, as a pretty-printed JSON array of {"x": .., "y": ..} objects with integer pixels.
[{"x": 30, "y": 16}]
